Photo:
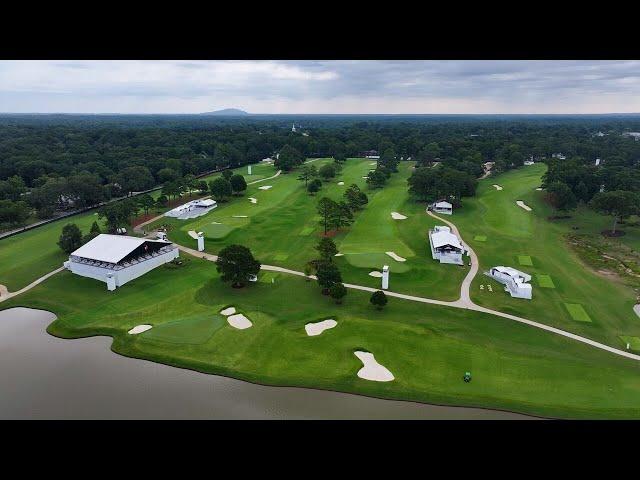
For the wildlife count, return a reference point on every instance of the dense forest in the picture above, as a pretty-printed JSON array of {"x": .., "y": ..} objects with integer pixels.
[{"x": 55, "y": 163}]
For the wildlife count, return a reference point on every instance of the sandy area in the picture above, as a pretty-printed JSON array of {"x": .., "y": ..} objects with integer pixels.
[
  {"x": 636, "y": 308},
  {"x": 193, "y": 234},
  {"x": 498, "y": 187},
  {"x": 340, "y": 183},
  {"x": 139, "y": 329},
  {"x": 372, "y": 370},
  {"x": 338, "y": 254},
  {"x": 240, "y": 216},
  {"x": 375, "y": 274},
  {"x": 539, "y": 189},
  {"x": 253, "y": 200},
  {"x": 373, "y": 163},
  {"x": 265, "y": 187},
  {"x": 398, "y": 216},
  {"x": 396, "y": 257},
  {"x": 239, "y": 321},
  {"x": 521, "y": 204},
  {"x": 317, "y": 328},
  {"x": 228, "y": 311}
]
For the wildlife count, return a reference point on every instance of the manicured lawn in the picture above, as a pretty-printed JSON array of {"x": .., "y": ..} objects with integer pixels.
[
  {"x": 525, "y": 260},
  {"x": 634, "y": 343},
  {"x": 545, "y": 281},
  {"x": 427, "y": 348},
  {"x": 577, "y": 312},
  {"x": 480, "y": 238},
  {"x": 515, "y": 232}
]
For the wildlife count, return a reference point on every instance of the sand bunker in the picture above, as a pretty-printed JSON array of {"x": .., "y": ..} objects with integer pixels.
[
  {"x": 239, "y": 321},
  {"x": 521, "y": 204},
  {"x": 636, "y": 308},
  {"x": 228, "y": 311},
  {"x": 265, "y": 187},
  {"x": 253, "y": 200},
  {"x": 373, "y": 163},
  {"x": 338, "y": 254},
  {"x": 397, "y": 258},
  {"x": 317, "y": 328},
  {"x": 375, "y": 274},
  {"x": 365, "y": 177},
  {"x": 498, "y": 187},
  {"x": 340, "y": 183},
  {"x": 139, "y": 329},
  {"x": 539, "y": 189},
  {"x": 398, "y": 216},
  {"x": 193, "y": 234},
  {"x": 239, "y": 216},
  {"x": 372, "y": 370}
]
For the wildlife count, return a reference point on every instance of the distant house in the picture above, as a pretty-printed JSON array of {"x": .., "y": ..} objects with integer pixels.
[
  {"x": 117, "y": 259},
  {"x": 598, "y": 161},
  {"x": 559, "y": 156},
  {"x": 193, "y": 209},
  {"x": 635, "y": 135},
  {"x": 515, "y": 281},
  {"x": 370, "y": 154},
  {"x": 445, "y": 246},
  {"x": 442, "y": 206}
]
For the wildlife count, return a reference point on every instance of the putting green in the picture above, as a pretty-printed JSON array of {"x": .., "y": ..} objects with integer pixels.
[
  {"x": 545, "y": 281},
  {"x": 375, "y": 260},
  {"x": 216, "y": 230},
  {"x": 634, "y": 342},
  {"x": 480, "y": 238},
  {"x": 577, "y": 312},
  {"x": 194, "y": 330},
  {"x": 525, "y": 260}
]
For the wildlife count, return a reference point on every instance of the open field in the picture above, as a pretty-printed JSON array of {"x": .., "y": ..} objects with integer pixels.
[
  {"x": 516, "y": 233},
  {"x": 514, "y": 367}
]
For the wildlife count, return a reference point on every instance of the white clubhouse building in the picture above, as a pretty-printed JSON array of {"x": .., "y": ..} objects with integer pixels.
[
  {"x": 515, "y": 281},
  {"x": 443, "y": 207},
  {"x": 118, "y": 259},
  {"x": 193, "y": 209},
  {"x": 445, "y": 246}
]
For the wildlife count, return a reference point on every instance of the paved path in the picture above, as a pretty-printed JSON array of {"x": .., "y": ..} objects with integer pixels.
[
  {"x": 138, "y": 228},
  {"x": 6, "y": 295}
]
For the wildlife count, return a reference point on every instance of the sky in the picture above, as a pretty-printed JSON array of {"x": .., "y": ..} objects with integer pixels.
[{"x": 297, "y": 87}]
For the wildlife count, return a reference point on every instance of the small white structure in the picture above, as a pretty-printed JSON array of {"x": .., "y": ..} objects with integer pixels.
[
  {"x": 443, "y": 207},
  {"x": 200, "y": 241},
  {"x": 515, "y": 281},
  {"x": 249, "y": 170},
  {"x": 445, "y": 246},
  {"x": 116, "y": 259},
  {"x": 385, "y": 277},
  {"x": 293, "y": 128},
  {"x": 598, "y": 162},
  {"x": 193, "y": 209}
]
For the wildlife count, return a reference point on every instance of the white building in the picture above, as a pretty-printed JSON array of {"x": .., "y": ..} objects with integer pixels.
[
  {"x": 442, "y": 207},
  {"x": 598, "y": 161},
  {"x": 117, "y": 259},
  {"x": 445, "y": 246},
  {"x": 515, "y": 281},
  {"x": 193, "y": 209}
]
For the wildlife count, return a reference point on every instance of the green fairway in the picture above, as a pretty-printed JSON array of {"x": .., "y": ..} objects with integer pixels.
[
  {"x": 577, "y": 312},
  {"x": 267, "y": 277},
  {"x": 525, "y": 260},
  {"x": 376, "y": 261},
  {"x": 306, "y": 231},
  {"x": 426, "y": 347},
  {"x": 545, "y": 281},
  {"x": 516, "y": 233},
  {"x": 480, "y": 238},
  {"x": 280, "y": 257}
]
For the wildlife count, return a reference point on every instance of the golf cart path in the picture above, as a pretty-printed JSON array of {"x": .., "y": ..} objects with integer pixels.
[
  {"x": 5, "y": 294},
  {"x": 138, "y": 228},
  {"x": 460, "y": 303}
]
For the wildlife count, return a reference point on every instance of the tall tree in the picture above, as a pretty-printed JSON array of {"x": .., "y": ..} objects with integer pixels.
[
  {"x": 70, "y": 238},
  {"x": 328, "y": 274},
  {"x": 238, "y": 184},
  {"x": 378, "y": 299},
  {"x": 337, "y": 291},
  {"x": 326, "y": 209},
  {"x": 236, "y": 264},
  {"x": 617, "y": 203},
  {"x": 307, "y": 172},
  {"x": 220, "y": 189},
  {"x": 327, "y": 249}
]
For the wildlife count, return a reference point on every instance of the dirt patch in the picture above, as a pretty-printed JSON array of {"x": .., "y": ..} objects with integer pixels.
[{"x": 612, "y": 234}]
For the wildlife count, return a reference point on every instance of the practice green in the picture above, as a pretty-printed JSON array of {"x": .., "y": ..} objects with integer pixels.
[
  {"x": 525, "y": 260},
  {"x": 545, "y": 281},
  {"x": 577, "y": 312}
]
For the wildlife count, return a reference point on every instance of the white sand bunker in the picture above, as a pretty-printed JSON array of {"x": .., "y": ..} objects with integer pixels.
[
  {"x": 239, "y": 321},
  {"x": 398, "y": 216},
  {"x": 193, "y": 234},
  {"x": 372, "y": 370},
  {"x": 228, "y": 311},
  {"x": 340, "y": 183},
  {"x": 339, "y": 255},
  {"x": 636, "y": 308},
  {"x": 498, "y": 187},
  {"x": 373, "y": 163},
  {"x": 521, "y": 204},
  {"x": 240, "y": 216},
  {"x": 375, "y": 274},
  {"x": 265, "y": 187},
  {"x": 139, "y": 329},
  {"x": 317, "y": 328},
  {"x": 397, "y": 258},
  {"x": 253, "y": 200},
  {"x": 365, "y": 177}
]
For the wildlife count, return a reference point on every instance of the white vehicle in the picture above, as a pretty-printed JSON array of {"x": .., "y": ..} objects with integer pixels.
[{"x": 161, "y": 236}]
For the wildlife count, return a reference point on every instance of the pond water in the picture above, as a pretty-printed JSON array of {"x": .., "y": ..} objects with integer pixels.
[{"x": 44, "y": 377}]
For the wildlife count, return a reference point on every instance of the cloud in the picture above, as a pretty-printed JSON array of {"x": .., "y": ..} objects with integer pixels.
[{"x": 320, "y": 86}]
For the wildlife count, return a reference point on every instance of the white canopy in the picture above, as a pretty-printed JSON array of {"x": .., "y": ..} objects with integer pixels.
[
  {"x": 444, "y": 237},
  {"x": 111, "y": 248},
  {"x": 443, "y": 204}
]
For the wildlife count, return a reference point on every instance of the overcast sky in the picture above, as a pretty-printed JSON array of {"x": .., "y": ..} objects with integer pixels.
[{"x": 320, "y": 86}]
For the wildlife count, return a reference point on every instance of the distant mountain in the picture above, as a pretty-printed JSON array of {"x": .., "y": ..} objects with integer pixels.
[{"x": 227, "y": 112}]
